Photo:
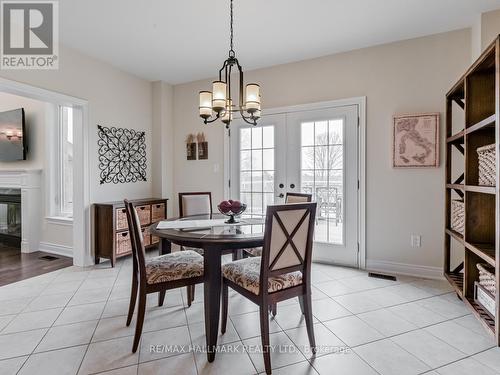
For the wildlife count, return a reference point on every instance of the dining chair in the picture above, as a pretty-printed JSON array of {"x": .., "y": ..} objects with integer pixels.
[
  {"x": 157, "y": 274},
  {"x": 284, "y": 269},
  {"x": 289, "y": 198},
  {"x": 195, "y": 203}
]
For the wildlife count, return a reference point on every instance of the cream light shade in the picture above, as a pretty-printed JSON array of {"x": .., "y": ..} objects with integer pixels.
[
  {"x": 252, "y": 99},
  {"x": 205, "y": 104},
  {"x": 219, "y": 96},
  {"x": 228, "y": 114}
]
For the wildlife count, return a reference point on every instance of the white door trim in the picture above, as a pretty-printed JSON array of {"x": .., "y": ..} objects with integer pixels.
[
  {"x": 361, "y": 103},
  {"x": 81, "y": 178}
]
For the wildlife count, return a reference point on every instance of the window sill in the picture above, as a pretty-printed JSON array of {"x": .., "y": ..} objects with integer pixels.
[{"x": 59, "y": 220}]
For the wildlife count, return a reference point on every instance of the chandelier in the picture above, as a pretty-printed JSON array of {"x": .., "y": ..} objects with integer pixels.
[{"x": 218, "y": 103}]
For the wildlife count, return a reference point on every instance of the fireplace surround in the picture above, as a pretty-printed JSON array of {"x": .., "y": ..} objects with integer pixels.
[
  {"x": 27, "y": 182},
  {"x": 10, "y": 217}
]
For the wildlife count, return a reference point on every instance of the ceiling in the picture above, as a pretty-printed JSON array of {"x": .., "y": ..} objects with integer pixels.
[{"x": 185, "y": 40}]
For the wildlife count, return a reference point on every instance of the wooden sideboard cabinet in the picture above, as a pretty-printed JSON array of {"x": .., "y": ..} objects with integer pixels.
[{"x": 111, "y": 235}]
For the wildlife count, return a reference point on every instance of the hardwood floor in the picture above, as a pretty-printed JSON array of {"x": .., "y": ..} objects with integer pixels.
[{"x": 16, "y": 266}]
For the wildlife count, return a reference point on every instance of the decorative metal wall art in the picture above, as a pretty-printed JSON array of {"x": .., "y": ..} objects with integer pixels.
[{"x": 122, "y": 155}]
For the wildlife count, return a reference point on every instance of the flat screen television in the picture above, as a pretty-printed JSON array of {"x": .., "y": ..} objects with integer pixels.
[{"x": 12, "y": 135}]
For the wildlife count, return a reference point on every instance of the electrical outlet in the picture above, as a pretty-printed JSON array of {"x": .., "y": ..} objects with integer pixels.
[{"x": 416, "y": 240}]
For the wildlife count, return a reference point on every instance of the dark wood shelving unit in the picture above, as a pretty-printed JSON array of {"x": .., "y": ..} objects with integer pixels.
[
  {"x": 457, "y": 138},
  {"x": 487, "y": 122},
  {"x": 457, "y": 236},
  {"x": 456, "y": 280},
  {"x": 459, "y": 187},
  {"x": 477, "y": 93},
  {"x": 481, "y": 189},
  {"x": 483, "y": 250}
]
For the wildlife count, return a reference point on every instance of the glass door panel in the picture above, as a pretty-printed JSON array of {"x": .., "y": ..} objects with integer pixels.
[
  {"x": 254, "y": 167},
  {"x": 322, "y": 160},
  {"x": 321, "y": 172}
]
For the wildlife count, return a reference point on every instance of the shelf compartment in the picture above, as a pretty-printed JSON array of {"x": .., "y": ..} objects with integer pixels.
[
  {"x": 487, "y": 122},
  {"x": 479, "y": 138},
  {"x": 457, "y": 138},
  {"x": 483, "y": 316},
  {"x": 483, "y": 250},
  {"x": 456, "y": 279},
  {"x": 480, "y": 218},
  {"x": 480, "y": 98},
  {"x": 457, "y": 236},
  {"x": 481, "y": 189}
]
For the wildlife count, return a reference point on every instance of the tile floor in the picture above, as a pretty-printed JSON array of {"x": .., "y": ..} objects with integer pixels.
[{"x": 72, "y": 321}]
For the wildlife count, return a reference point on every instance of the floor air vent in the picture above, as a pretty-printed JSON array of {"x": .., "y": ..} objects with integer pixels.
[
  {"x": 49, "y": 258},
  {"x": 382, "y": 276}
]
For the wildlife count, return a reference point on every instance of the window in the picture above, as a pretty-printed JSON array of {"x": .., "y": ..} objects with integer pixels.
[
  {"x": 257, "y": 168},
  {"x": 64, "y": 192}
]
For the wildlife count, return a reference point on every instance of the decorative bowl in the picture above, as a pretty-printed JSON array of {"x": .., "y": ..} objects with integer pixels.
[{"x": 226, "y": 208}]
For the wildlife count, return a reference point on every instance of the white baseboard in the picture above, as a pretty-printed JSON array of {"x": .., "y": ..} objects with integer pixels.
[
  {"x": 405, "y": 269},
  {"x": 51, "y": 248}
]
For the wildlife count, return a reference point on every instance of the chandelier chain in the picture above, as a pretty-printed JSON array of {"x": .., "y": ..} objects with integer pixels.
[{"x": 231, "y": 51}]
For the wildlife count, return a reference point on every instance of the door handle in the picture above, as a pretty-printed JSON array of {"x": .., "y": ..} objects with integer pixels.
[{"x": 280, "y": 196}]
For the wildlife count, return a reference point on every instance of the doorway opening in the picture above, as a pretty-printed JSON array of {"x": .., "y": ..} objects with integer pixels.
[{"x": 316, "y": 149}]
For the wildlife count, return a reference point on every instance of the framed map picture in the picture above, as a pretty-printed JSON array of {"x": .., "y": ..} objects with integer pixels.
[{"x": 416, "y": 141}]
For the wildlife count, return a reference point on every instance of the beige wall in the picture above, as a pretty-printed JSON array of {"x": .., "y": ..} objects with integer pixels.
[
  {"x": 115, "y": 98},
  {"x": 490, "y": 27},
  {"x": 163, "y": 142},
  {"x": 405, "y": 77}
]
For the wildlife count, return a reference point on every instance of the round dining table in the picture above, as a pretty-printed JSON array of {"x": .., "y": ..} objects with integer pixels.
[{"x": 215, "y": 237}]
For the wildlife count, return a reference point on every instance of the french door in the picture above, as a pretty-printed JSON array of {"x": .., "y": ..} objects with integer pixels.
[{"x": 312, "y": 152}]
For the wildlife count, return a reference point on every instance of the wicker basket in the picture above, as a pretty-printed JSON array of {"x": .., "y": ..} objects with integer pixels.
[
  {"x": 121, "y": 219},
  {"x": 123, "y": 244},
  {"x": 457, "y": 216},
  {"x": 487, "y": 158},
  {"x": 487, "y": 277}
]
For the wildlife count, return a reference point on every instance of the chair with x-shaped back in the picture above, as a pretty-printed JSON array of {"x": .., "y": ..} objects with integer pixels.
[{"x": 282, "y": 272}]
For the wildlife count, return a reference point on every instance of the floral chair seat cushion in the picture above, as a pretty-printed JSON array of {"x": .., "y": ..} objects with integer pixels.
[
  {"x": 174, "y": 266},
  {"x": 246, "y": 273},
  {"x": 254, "y": 251}
]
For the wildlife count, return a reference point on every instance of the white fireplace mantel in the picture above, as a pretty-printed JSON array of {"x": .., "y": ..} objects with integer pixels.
[{"x": 28, "y": 181}]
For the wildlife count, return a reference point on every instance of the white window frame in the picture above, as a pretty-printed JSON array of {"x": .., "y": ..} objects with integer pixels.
[{"x": 55, "y": 212}]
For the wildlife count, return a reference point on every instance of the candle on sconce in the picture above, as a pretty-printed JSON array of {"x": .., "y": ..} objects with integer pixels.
[
  {"x": 205, "y": 104},
  {"x": 219, "y": 96},
  {"x": 252, "y": 103}
]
